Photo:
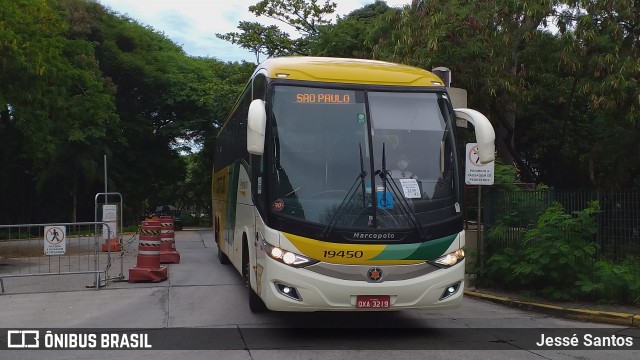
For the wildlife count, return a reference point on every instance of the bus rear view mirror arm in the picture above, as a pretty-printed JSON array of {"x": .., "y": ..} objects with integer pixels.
[
  {"x": 256, "y": 124},
  {"x": 485, "y": 135}
]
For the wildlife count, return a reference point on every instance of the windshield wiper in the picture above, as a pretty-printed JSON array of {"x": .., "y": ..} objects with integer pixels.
[
  {"x": 352, "y": 191},
  {"x": 362, "y": 176},
  {"x": 403, "y": 203}
]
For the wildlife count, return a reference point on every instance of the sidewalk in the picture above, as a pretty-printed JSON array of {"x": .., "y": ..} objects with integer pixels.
[{"x": 630, "y": 317}]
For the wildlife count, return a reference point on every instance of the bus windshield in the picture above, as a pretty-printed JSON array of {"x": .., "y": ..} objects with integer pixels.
[{"x": 361, "y": 159}]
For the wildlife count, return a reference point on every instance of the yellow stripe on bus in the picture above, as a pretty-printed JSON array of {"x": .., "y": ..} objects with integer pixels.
[{"x": 337, "y": 253}]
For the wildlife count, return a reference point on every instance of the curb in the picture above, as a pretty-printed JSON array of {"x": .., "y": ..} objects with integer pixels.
[{"x": 614, "y": 318}]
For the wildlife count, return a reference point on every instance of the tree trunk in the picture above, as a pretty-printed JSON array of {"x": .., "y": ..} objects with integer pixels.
[{"x": 505, "y": 131}]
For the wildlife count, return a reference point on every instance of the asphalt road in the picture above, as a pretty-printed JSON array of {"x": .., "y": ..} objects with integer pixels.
[{"x": 201, "y": 312}]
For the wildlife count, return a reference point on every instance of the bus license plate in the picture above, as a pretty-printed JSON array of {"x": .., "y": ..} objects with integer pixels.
[{"x": 373, "y": 302}]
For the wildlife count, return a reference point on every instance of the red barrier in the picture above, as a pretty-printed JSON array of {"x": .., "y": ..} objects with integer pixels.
[
  {"x": 111, "y": 243},
  {"x": 168, "y": 252},
  {"x": 110, "y": 230},
  {"x": 148, "y": 263}
]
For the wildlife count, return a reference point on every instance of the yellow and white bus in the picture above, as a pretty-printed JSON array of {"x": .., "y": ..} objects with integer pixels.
[{"x": 337, "y": 186}]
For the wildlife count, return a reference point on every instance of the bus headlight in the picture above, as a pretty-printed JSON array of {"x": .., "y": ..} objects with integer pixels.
[
  {"x": 287, "y": 257},
  {"x": 450, "y": 259}
]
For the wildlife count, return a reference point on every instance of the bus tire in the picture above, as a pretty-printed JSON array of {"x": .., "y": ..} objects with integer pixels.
[
  {"x": 216, "y": 231},
  {"x": 256, "y": 305},
  {"x": 222, "y": 257}
]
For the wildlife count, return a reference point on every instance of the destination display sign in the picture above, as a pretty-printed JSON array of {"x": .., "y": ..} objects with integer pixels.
[{"x": 323, "y": 98}]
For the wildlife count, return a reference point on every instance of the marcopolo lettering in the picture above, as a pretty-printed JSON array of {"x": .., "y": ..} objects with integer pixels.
[{"x": 373, "y": 236}]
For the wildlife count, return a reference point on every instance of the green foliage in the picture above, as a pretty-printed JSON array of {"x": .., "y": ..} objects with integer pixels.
[
  {"x": 471, "y": 38},
  {"x": 260, "y": 39},
  {"x": 58, "y": 108},
  {"x": 555, "y": 256},
  {"x": 303, "y": 15},
  {"x": 79, "y": 82},
  {"x": 561, "y": 102},
  {"x": 614, "y": 281},
  {"x": 507, "y": 206},
  {"x": 509, "y": 215},
  {"x": 349, "y": 36},
  {"x": 505, "y": 176}
]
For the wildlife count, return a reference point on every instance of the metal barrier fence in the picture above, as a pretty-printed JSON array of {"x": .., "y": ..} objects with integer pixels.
[
  {"x": 618, "y": 221},
  {"x": 54, "y": 249}
]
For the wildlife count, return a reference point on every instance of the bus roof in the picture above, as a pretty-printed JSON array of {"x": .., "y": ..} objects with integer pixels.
[{"x": 352, "y": 71}]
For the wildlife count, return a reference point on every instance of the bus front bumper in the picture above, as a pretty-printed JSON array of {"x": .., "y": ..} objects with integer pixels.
[{"x": 288, "y": 289}]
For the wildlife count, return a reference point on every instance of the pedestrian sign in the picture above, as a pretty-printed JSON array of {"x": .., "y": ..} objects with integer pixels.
[
  {"x": 475, "y": 172},
  {"x": 55, "y": 240}
]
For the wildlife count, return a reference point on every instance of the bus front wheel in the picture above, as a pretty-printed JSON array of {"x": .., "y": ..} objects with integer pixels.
[
  {"x": 224, "y": 259},
  {"x": 256, "y": 305}
]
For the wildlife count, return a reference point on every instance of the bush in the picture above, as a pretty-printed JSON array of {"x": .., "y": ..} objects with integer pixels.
[
  {"x": 555, "y": 256},
  {"x": 614, "y": 282},
  {"x": 195, "y": 220}
]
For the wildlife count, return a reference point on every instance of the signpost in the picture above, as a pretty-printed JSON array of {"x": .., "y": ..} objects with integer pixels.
[{"x": 476, "y": 173}]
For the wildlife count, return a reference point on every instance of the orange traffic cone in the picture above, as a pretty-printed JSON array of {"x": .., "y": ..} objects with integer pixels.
[
  {"x": 148, "y": 262},
  {"x": 168, "y": 252}
]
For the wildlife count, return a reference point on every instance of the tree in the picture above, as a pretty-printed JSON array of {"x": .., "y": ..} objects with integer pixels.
[
  {"x": 306, "y": 17},
  {"x": 78, "y": 82},
  {"x": 56, "y": 104},
  {"x": 482, "y": 42},
  {"x": 231, "y": 79},
  {"x": 303, "y": 15},
  {"x": 348, "y": 37},
  {"x": 607, "y": 44},
  {"x": 579, "y": 125},
  {"x": 567, "y": 89},
  {"x": 260, "y": 39}
]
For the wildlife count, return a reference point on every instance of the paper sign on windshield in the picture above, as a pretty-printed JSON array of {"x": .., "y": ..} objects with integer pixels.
[{"x": 410, "y": 188}]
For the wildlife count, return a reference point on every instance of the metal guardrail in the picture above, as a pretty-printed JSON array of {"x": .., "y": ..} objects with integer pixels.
[{"x": 23, "y": 248}]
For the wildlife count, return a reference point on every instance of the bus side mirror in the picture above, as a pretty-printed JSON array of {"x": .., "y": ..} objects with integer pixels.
[
  {"x": 485, "y": 136},
  {"x": 256, "y": 124}
]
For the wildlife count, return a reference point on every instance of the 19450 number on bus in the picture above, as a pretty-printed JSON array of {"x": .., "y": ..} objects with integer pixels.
[{"x": 349, "y": 254}]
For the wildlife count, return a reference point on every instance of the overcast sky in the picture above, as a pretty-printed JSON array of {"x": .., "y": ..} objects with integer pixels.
[{"x": 194, "y": 23}]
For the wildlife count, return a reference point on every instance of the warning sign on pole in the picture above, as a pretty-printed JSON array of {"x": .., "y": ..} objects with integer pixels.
[
  {"x": 475, "y": 172},
  {"x": 55, "y": 240},
  {"x": 110, "y": 216}
]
